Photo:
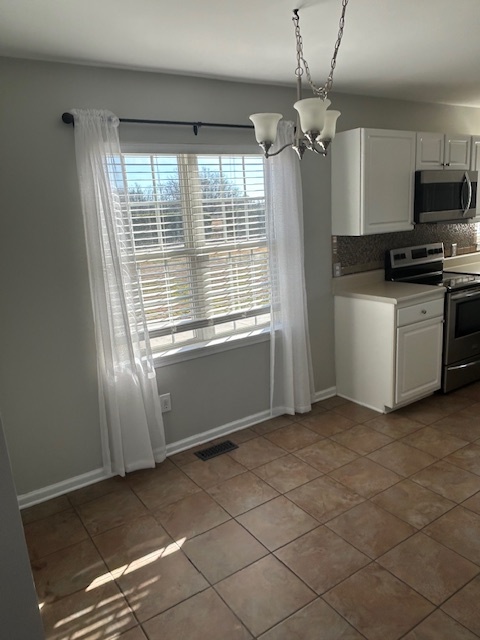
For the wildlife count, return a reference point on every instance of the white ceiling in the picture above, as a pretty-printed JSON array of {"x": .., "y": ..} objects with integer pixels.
[{"x": 427, "y": 50}]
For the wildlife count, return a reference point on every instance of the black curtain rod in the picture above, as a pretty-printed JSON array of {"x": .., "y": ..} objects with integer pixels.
[{"x": 68, "y": 119}]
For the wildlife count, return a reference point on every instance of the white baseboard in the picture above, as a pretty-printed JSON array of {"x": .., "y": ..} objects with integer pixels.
[
  {"x": 60, "y": 488},
  {"x": 326, "y": 393},
  {"x": 77, "y": 482},
  {"x": 231, "y": 427},
  {"x": 217, "y": 432}
]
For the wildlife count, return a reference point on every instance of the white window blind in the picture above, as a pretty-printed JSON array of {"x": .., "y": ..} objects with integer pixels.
[{"x": 200, "y": 245}]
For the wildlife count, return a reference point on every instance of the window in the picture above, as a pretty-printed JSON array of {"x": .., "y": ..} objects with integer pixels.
[{"x": 200, "y": 245}]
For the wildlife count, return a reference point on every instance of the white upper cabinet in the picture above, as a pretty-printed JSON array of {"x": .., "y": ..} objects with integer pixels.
[
  {"x": 457, "y": 152},
  {"x": 475, "y": 164},
  {"x": 443, "y": 151},
  {"x": 372, "y": 181},
  {"x": 430, "y": 151}
]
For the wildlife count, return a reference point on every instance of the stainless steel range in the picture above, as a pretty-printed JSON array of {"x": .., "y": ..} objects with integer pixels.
[{"x": 461, "y": 342}]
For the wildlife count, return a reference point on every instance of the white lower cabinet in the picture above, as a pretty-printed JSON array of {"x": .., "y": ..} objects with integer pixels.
[
  {"x": 388, "y": 355},
  {"x": 419, "y": 360}
]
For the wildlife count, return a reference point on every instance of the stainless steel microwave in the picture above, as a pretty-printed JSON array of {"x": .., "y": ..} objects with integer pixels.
[{"x": 445, "y": 196}]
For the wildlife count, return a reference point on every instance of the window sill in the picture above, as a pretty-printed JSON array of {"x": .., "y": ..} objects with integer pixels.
[{"x": 210, "y": 347}]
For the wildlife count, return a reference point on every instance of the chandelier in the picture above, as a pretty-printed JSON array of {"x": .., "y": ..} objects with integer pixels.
[{"x": 315, "y": 123}]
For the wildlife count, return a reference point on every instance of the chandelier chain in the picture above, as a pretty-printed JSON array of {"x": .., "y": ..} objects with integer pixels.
[{"x": 322, "y": 92}]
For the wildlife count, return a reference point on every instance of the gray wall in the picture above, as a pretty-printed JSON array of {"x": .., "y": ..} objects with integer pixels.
[{"x": 47, "y": 367}]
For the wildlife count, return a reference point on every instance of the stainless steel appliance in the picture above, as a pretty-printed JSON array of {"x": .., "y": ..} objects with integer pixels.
[
  {"x": 445, "y": 196},
  {"x": 461, "y": 344},
  {"x": 461, "y": 348}
]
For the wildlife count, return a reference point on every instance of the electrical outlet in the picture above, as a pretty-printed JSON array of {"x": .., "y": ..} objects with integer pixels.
[{"x": 165, "y": 402}]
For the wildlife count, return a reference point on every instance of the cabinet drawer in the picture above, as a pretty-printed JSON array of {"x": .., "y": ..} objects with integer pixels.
[{"x": 419, "y": 312}]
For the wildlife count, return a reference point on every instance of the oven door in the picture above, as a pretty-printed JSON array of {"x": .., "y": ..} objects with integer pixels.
[{"x": 462, "y": 330}]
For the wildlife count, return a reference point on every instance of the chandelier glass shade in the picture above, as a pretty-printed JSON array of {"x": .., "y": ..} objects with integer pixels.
[
  {"x": 316, "y": 125},
  {"x": 265, "y": 126}
]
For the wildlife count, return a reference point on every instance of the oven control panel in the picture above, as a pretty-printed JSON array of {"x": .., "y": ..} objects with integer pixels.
[{"x": 409, "y": 256}]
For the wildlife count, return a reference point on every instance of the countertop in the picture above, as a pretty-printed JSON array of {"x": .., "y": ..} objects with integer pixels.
[
  {"x": 471, "y": 267},
  {"x": 371, "y": 285},
  {"x": 393, "y": 292},
  {"x": 466, "y": 263}
]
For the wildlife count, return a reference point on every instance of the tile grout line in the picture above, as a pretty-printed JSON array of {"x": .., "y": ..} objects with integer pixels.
[{"x": 283, "y": 493}]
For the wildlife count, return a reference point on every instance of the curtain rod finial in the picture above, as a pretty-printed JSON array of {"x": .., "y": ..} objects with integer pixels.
[{"x": 67, "y": 118}]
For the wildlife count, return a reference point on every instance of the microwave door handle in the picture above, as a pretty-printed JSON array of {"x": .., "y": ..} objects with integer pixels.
[{"x": 468, "y": 182}]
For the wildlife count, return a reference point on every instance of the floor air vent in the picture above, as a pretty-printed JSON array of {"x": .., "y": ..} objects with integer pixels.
[{"x": 216, "y": 450}]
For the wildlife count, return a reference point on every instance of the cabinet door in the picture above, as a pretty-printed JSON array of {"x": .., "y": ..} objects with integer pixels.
[
  {"x": 430, "y": 152},
  {"x": 475, "y": 163},
  {"x": 475, "y": 166},
  {"x": 387, "y": 171},
  {"x": 457, "y": 152},
  {"x": 419, "y": 359}
]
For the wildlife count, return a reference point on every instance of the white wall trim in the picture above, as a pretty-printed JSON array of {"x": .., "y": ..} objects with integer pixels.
[
  {"x": 77, "y": 482},
  {"x": 210, "y": 347},
  {"x": 60, "y": 488},
  {"x": 217, "y": 432},
  {"x": 231, "y": 427},
  {"x": 326, "y": 393}
]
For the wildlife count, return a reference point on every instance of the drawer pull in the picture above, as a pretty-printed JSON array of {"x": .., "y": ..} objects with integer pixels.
[{"x": 424, "y": 311}]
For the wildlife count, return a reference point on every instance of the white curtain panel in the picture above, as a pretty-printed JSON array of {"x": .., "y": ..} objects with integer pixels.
[
  {"x": 291, "y": 373},
  {"x": 130, "y": 413}
]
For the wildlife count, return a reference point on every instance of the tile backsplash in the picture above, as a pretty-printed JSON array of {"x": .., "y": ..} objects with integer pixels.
[{"x": 353, "y": 254}]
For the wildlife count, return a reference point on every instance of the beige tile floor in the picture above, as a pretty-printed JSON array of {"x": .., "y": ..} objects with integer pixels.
[{"x": 340, "y": 524}]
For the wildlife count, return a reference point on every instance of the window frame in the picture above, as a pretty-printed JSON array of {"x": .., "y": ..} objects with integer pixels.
[{"x": 208, "y": 344}]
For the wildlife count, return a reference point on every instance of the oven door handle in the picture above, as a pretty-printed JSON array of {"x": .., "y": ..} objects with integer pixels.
[
  {"x": 467, "y": 182},
  {"x": 465, "y": 294},
  {"x": 463, "y": 366}
]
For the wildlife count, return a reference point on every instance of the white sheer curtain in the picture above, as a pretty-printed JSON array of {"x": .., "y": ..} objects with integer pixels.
[
  {"x": 291, "y": 374},
  {"x": 130, "y": 413}
]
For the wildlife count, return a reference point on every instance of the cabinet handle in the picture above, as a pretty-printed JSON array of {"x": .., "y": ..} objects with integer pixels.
[
  {"x": 447, "y": 164},
  {"x": 424, "y": 311}
]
